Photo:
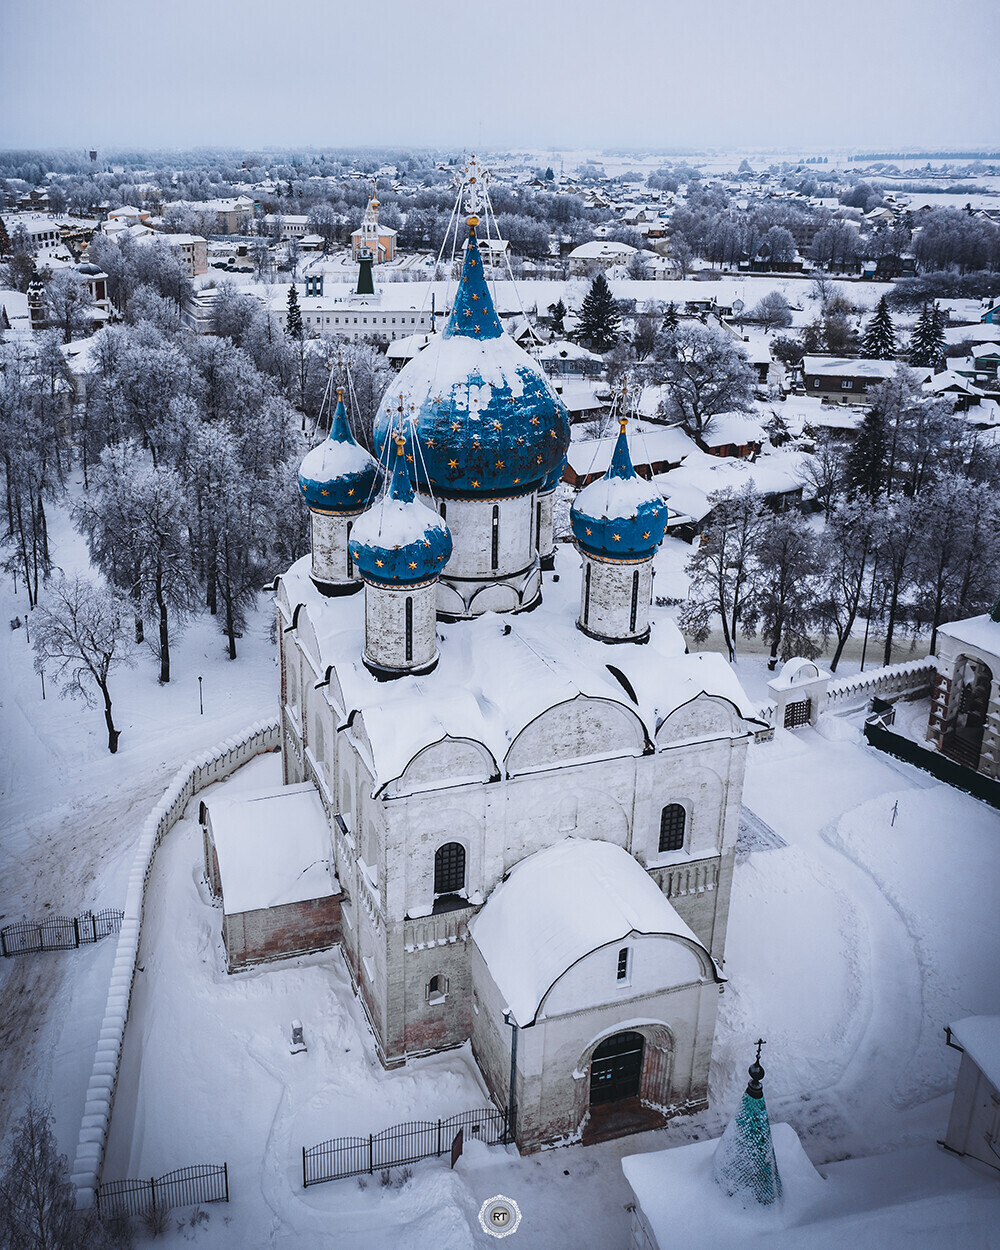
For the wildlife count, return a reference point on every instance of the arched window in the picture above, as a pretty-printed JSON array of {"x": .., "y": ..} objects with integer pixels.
[
  {"x": 409, "y": 629},
  {"x": 291, "y": 685},
  {"x": 495, "y": 538},
  {"x": 319, "y": 742},
  {"x": 437, "y": 989},
  {"x": 350, "y": 558},
  {"x": 449, "y": 868},
  {"x": 672, "y": 821}
]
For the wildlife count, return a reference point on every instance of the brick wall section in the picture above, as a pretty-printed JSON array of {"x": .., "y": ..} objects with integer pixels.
[{"x": 276, "y": 932}]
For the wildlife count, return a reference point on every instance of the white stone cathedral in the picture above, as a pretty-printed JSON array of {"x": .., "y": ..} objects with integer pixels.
[{"x": 533, "y": 790}]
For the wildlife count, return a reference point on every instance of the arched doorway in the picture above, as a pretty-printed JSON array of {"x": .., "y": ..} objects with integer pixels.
[
  {"x": 616, "y": 1068},
  {"x": 970, "y": 697}
]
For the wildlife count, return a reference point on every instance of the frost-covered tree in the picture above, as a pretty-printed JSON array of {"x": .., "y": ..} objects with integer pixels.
[
  {"x": 80, "y": 635},
  {"x": 707, "y": 375},
  {"x": 823, "y": 473},
  {"x": 846, "y": 548},
  {"x": 68, "y": 304},
  {"x": 136, "y": 524},
  {"x": 879, "y": 342},
  {"x": 772, "y": 311},
  {"x": 37, "y": 1198},
  {"x": 723, "y": 568},
  {"x": 598, "y": 328},
  {"x": 927, "y": 343},
  {"x": 558, "y": 316},
  {"x": 897, "y": 531},
  {"x": 785, "y": 606}
]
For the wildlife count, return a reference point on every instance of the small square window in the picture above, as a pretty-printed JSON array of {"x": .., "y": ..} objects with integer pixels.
[
  {"x": 816, "y": 383},
  {"x": 846, "y": 386}
]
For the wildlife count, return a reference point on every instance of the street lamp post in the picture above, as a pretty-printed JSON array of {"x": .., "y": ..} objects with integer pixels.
[{"x": 509, "y": 1020}]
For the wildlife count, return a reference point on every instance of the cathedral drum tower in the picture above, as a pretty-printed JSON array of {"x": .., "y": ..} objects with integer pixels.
[
  {"x": 337, "y": 480},
  {"x": 486, "y": 432},
  {"x": 618, "y": 523}
]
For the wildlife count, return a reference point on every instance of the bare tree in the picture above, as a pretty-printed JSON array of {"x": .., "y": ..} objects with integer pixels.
[
  {"x": 846, "y": 549},
  {"x": 68, "y": 303},
  {"x": 707, "y": 375},
  {"x": 787, "y": 559},
  {"x": 823, "y": 474},
  {"x": 80, "y": 636},
  {"x": 723, "y": 568}
]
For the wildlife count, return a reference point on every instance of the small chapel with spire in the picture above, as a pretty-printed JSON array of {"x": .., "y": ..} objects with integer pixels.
[{"x": 532, "y": 787}]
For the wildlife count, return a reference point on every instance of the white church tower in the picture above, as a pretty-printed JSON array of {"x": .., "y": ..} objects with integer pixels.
[
  {"x": 337, "y": 480},
  {"x": 486, "y": 435},
  {"x": 399, "y": 547},
  {"x": 618, "y": 523}
]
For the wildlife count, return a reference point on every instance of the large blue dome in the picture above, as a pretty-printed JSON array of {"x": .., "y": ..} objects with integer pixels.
[
  {"x": 484, "y": 419},
  {"x": 620, "y": 516},
  {"x": 400, "y": 541},
  {"x": 338, "y": 475}
]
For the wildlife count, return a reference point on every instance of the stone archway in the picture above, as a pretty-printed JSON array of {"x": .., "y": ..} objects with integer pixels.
[
  {"x": 634, "y": 1065},
  {"x": 967, "y": 708}
]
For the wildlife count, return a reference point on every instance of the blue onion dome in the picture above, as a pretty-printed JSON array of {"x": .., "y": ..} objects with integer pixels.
[
  {"x": 400, "y": 541},
  {"x": 620, "y": 516},
  {"x": 484, "y": 421},
  {"x": 552, "y": 480},
  {"x": 339, "y": 475}
]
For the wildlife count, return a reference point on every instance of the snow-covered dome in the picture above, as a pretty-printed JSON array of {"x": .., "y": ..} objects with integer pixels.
[
  {"x": 620, "y": 516},
  {"x": 399, "y": 541},
  {"x": 484, "y": 419},
  {"x": 338, "y": 475}
]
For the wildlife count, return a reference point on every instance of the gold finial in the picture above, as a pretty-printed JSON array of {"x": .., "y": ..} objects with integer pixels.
[
  {"x": 400, "y": 445},
  {"x": 622, "y": 423},
  {"x": 340, "y": 394}
]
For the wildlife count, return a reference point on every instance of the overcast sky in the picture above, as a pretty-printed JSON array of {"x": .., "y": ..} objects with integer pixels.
[{"x": 727, "y": 74}]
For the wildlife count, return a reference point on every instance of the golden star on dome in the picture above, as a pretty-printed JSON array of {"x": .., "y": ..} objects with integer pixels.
[
  {"x": 324, "y": 491},
  {"x": 410, "y": 458},
  {"x": 452, "y": 464},
  {"x": 379, "y": 563},
  {"x": 539, "y": 459},
  {"x": 499, "y": 464},
  {"x": 517, "y": 481},
  {"x": 472, "y": 264},
  {"x": 413, "y": 564},
  {"x": 520, "y": 439},
  {"x": 534, "y": 420},
  {"x": 351, "y": 491},
  {"x": 455, "y": 425},
  {"x": 617, "y": 537},
  {"x": 426, "y": 543},
  {"x": 497, "y": 425},
  {"x": 553, "y": 433},
  {"x": 475, "y": 297},
  {"x": 646, "y": 535},
  {"x": 431, "y": 442},
  {"x": 468, "y": 312},
  {"x": 302, "y": 487},
  {"x": 590, "y": 531},
  {"x": 476, "y": 328},
  {"x": 474, "y": 483}
]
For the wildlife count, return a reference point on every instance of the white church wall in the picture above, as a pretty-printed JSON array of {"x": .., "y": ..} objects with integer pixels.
[
  {"x": 471, "y": 522},
  {"x": 578, "y": 729},
  {"x": 652, "y": 963},
  {"x": 606, "y": 598},
  {"x": 385, "y": 626},
  {"x": 331, "y": 561}
]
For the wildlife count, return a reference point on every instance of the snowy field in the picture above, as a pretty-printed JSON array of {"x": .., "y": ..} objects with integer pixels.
[{"x": 849, "y": 949}]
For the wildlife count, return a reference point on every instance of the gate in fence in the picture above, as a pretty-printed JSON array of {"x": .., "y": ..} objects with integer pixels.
[
  {"x": 59, "y": 933},
  {"x": 185, "y": 1187},
  {"x": 403, "y": 1143}
]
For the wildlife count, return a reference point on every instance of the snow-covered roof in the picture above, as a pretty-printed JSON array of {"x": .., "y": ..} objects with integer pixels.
[
  {"x": 577, "y": 395},
  {"x": 839, "y": 366},
  {"x": 601, "y": 249},
  {"x": 948, "y": 380},
  {"x": 273, "y": 848},
  {"x": 648, "y": 447},
  {"x": 557, "y": 906},
  {"x": 732, "y": 427},
  {"x": 979, "y": 1037},
  {"x": 563, "y": 349},
  {"x": 686, "y": 489},
  {"x": 496, "y": 675},
  {"x": 977, "y": 631}
]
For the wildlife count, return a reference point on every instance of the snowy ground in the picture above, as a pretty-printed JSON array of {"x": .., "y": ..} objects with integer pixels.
[{"x": 849, "y": 949}]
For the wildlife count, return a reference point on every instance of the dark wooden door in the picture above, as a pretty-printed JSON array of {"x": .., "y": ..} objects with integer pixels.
[{"x": 616, "y": 1068}]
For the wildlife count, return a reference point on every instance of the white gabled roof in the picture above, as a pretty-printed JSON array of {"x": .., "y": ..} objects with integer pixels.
[
  {"x": 273, "y": 848},
  {"x": 979, "y": 1037},
  {"x": 557, "y": 906}
]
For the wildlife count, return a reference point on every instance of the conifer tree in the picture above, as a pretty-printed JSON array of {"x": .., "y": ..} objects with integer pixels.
[
  {"x": 599, "y": 317},
  {"x": 293, "y": 328},
  {"x": 558, "y": 316},
  {"x": 927, "y": 343},
  {"x": 866, "y": 463},
  {"x": 669, "y": 323},
  {"x": 4, "y": 239},
  {"x": 879, "y": 342}
]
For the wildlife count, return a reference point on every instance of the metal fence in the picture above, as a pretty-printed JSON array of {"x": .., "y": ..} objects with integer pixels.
[
  {"x": 403, "y": 1143},
  {"x": 59, "y": 933},
  {"x": 185, "y": 1187},
  {"x": 930, "y": 761}
]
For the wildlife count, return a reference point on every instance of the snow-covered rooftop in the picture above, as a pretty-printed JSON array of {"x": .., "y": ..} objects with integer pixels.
[
  {"x": 732, "y": 427},
  {"x": 979, "y": 1037},
  {"x": 646, "y": 447},
  {"x": 977, "y": 631},
  {"x": 273, "y": 848},
  {"x": 497, "y": 674},
  {"x": 559, "y": 905}
]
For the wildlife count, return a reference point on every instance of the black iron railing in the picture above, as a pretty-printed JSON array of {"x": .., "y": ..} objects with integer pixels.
[
  {"x": 403, "y": 1143},
  {"x": 59, "y": 933},
  {"x": 184, "y": 1187}
]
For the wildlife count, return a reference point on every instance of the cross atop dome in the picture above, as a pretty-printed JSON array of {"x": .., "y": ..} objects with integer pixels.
[{"x": 474, "y": 181}]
